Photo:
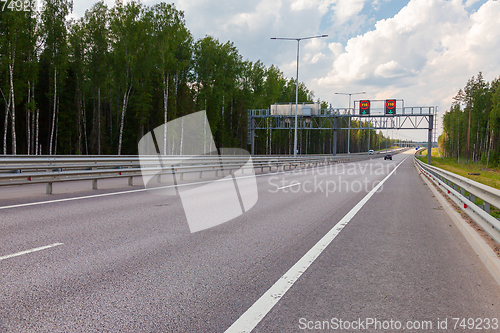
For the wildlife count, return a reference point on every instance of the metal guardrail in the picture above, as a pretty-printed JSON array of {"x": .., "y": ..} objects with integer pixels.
[
  {"x": 455, "y": 187},
  {"x": 23, "y": 170}
]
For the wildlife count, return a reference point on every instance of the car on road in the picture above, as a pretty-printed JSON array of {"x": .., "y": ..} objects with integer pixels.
[
  {"x": 388, "y": 157},
  {"x": 370, "y": 152}
]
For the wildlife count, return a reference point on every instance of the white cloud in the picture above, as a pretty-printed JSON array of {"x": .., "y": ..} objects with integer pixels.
[
  {"x": 407, "y": 44},
  {"x": 346, "y": 9},
  {"x": 424, "y": 54},
  {"x": 336, "y": 49},
  {"x": 390, "y": 69},
  {"x": 317, "y": 57},
  {"x": 265, "y": 13},
  {"x": 321, "y": 5},
  {"x": 469, "y": 3}
]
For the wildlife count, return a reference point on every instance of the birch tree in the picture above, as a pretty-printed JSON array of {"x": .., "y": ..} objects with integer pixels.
[
  {"x": 54, "y": 31},
  {"x": 97, "y": 41},
  {"x": 127, "y": 34},
  {"x": 173, "y": 49}
]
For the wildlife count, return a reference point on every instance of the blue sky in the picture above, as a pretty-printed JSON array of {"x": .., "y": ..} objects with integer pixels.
[{"x": 421, "y": 51}]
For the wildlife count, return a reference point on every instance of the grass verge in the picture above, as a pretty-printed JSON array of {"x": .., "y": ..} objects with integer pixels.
[{"x": 490, "y": 177}]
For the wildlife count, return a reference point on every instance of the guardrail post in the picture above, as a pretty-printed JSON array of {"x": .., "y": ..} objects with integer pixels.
[
  {"x": 130, "y": 181},
  {"x": 334, "y": 139},
  {"x": 429, "y": 139},
  {"x": 486, "y": 207},
  {"x": 158, "y": 178},
  {"x": 472, "y": 198},
  {"x": 94, "y": 184},
  {"x": 48, "y": 188},
  {"x": 200, "y": 174}
]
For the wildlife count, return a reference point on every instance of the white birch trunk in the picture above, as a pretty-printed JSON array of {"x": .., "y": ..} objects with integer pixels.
[
  {"x": 53, "y": 113},
  {"x": 165, "y": 109},
  {"x": 124, "y": 108},
  {"x": 6, "y": 122},
  {"x": 13, "y": 105}
]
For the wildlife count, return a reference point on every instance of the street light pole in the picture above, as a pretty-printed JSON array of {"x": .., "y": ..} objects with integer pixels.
[
  {"x": 297, "y": 85},
  {"x": 349, "y": 130}
]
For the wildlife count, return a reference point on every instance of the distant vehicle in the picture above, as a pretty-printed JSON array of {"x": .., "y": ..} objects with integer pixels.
[
  {"x": 370, "y": 152},
  {"x": 388, "y": 157}
]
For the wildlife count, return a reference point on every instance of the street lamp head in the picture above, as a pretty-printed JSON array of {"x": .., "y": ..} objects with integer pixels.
[
  {"x": 299, "y": 39},
  {"x": 357, "y": 93}
]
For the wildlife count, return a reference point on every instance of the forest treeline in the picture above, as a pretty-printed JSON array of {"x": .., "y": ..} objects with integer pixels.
[
  {"x": 97, "y": 84},
  {"x": 471, "y": 128}
]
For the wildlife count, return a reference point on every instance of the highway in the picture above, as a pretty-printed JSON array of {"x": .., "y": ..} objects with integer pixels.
[{"x": 128, "y": 262}]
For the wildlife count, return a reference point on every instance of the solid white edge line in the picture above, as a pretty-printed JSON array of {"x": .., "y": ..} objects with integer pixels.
[
  {"x": 280, "y": 188},
  {"x": 108, "y": 194},
  {"x": 30, "y": 251},
  {"x": 248, "y": 320}
]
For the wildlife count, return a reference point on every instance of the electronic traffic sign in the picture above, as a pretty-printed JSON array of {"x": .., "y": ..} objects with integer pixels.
[
  {"x": 364, "y": 108},
  {"x": 390, "y": 106}
]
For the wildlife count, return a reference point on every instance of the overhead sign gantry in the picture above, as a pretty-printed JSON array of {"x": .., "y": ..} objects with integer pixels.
[{"x": 374, "y": 115}]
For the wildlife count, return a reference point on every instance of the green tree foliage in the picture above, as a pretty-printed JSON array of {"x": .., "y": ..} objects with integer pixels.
[
  {"x": 96, "y": 85},
  {"x": 54, "y": 34},
  {"x": 17, "y": 41},
  {"x": 471, "y": 128}
]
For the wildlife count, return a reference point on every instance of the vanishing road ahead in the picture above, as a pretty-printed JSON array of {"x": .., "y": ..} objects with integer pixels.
[{"x": 128, "y": 263}]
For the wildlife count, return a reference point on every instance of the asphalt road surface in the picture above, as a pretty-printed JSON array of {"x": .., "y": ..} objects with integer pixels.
[{"x": 357, "y": 247}]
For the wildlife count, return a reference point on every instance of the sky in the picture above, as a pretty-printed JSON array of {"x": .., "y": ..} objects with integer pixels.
[{"x": 420, "y": 51}]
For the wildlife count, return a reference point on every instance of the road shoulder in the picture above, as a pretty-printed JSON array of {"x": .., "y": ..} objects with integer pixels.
[{"x": 482, "y": 249}]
